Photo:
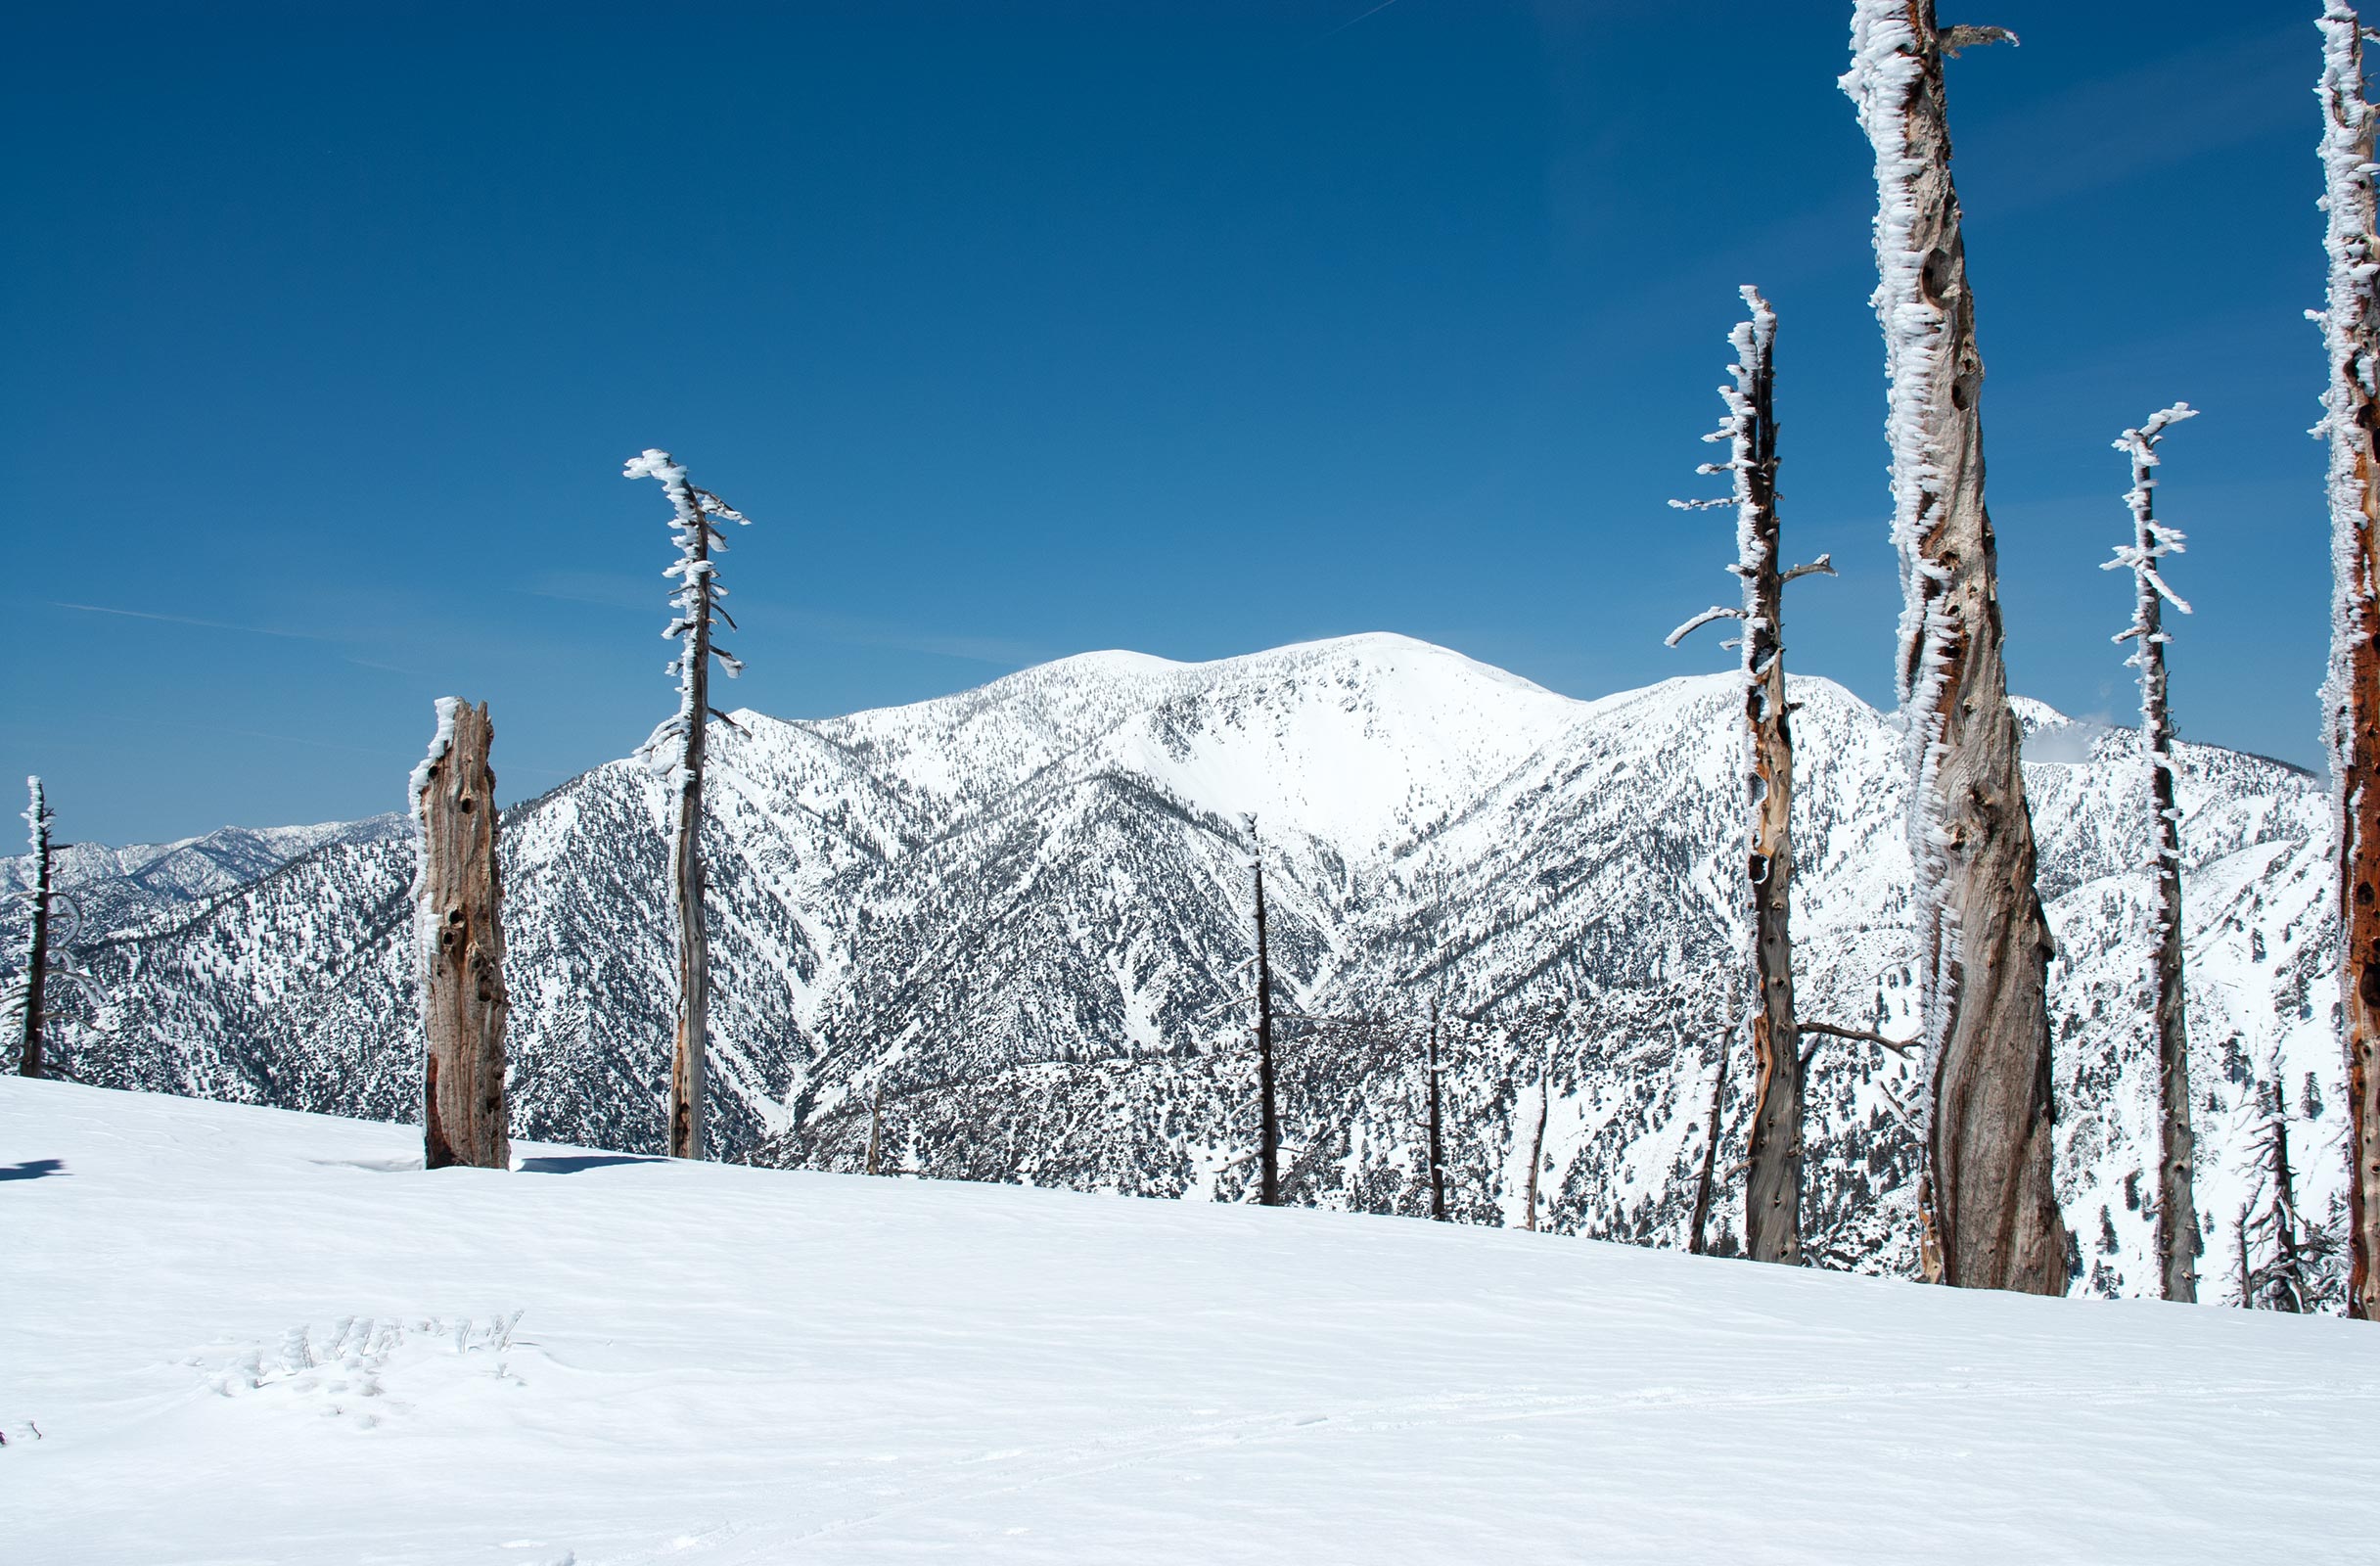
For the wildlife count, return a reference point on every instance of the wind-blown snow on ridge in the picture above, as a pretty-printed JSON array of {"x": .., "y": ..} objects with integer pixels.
[{"x": 1023, "y": 910}]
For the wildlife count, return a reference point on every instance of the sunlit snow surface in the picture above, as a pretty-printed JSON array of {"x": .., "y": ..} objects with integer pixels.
[{"x": 247, "y": 1335}]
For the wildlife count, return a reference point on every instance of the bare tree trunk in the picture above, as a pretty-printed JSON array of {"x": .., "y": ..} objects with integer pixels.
[
  {"x": 1983, "y": 942},
  {"x": 1537, "y": 1146},
  {"x": 459, "y": 904},
  {"x": 690, "y": 1051},
  {"x": 696, "y": 513},
  {"x": 37, "y": 948},
  {"x": 2176, "y": 1202},
  {"x": 875, "y": 1123},
  {"x": 1269, "y": 1129},
  {"x": 1701, "y": 1190},
  {"x": 2351, "y": 698},
  {"x": 1772, "y": 1185},
  {"x": 1438, "y": 1145}
]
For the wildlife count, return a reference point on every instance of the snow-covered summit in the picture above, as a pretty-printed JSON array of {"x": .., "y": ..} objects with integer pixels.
[{"x": 1025, "y": 910}]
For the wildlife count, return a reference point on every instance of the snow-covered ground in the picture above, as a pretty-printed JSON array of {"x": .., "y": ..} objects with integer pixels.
[{"x": 247, "y": 1335}]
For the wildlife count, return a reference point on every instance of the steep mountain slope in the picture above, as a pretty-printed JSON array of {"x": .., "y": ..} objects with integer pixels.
[{"x": 1011, "y": 927}]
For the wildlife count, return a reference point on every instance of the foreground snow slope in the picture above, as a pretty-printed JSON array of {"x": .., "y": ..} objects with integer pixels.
[{"x": 718, "y": 1364}]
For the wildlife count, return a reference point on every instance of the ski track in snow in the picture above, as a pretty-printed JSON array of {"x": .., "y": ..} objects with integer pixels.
[{"x": 247, "y": 1335}]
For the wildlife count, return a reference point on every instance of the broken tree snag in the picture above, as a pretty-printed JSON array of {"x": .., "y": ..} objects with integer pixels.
[
  {"x": 2351, "y": 697},
  {"x": 1269, "y": 1115},
  {"x": 1437, "y": 1135},
  {"x": 1982, "y": 945},
  {"x": 1702, "y": 1186},
  {"x": 38, "y": 817},
  {"x": 2152, "y": 541},
  {"x": 458, "y": 903},
  {"x": 694, "y": 514},
  {"x": 1772, "y": 1183}
]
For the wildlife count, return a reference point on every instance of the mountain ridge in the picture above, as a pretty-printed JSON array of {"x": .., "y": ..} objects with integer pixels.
[{"x": 1034, "y": 892}]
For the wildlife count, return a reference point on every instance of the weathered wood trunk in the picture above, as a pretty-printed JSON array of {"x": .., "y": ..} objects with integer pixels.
[
  {"x": 2178, "y": 1237},
  {"x": 2352, "y": 695},
  {"x": 1702, "y": 1188},
  {"x": 1772, "y": 1182},
  {"x": 690, "y": 1051},
  {"x": 1983, "y": 945},
  {"x": 38, "y": 946},
  {"x": 1537, "y": 1146},
  {"x": 459, "y": 902},
  {"x": 1437, "y": 1142},
  {"x": 695, "y": 512},
  {"x": 1269, "y": 1129}
]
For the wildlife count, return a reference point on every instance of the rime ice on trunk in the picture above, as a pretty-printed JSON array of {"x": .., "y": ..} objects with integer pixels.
[
  {"x": 1989, "y": 1208},
  {"x": 458, "y": 903},
  {"x": 1268, "y": 1121},
  {"x": 2152, "y": 541},
  {"x": 37, "y": 944},
  {"x": 2351, "y": 697},
  {"x": 696, "y": 604},
  {"x": 1773, "y": 1186},
  {"x": 1437, "y": 1139}
]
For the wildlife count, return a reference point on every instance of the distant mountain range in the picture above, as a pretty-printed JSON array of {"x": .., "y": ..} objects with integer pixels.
[{"x": 1024, "y": 911}]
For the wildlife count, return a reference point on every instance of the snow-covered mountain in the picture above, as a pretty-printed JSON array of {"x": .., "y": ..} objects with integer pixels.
[
  {"x": 118, "y": 889},
  {"x": 1024, "y": 911}
]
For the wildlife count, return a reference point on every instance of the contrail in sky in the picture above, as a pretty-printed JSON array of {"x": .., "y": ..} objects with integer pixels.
[
  {"x": 185, "y": 620},
  {"x": 1352, "y": 20}
]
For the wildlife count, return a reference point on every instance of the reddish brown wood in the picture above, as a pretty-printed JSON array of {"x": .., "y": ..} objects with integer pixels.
[{"x": 460, "y": 903}]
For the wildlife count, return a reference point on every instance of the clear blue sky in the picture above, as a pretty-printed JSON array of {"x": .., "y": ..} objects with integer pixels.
[{"x": 1028, "y": 329}]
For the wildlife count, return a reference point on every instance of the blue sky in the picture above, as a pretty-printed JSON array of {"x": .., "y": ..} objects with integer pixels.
[{"x": 1022, "y": 330}]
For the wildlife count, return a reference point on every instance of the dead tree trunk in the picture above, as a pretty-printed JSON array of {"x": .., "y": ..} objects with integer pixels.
[
  {"x": 37, "y": 816},
  {"x": 459, "y": 906},
  {"x": 1537, "y": 1146},
  {"x": 696, "y": 601},
  {"x": 1772, "y": 1185},
  {"x": 1702, "y": 1188},
  {"x": 876, "y": 1125},
  {"x": 2176, "y": 1202},
  {"x": 1990, "y": 1210},
  {"x": 1437, "y": 1144},
  {"x": 1269, "y": 1125},
  {"x": 2351, "y": 698}
]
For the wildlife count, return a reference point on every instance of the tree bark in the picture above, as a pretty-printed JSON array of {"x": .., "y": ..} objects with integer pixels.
[
  {"x": 1438, "y": 1145},
  {"x": 37, "y": 948},
  {"x": 1702, "y": 1188},
  {"x": 1536, "y": 1145},
  {"x": 1772, "y": 1182},
  {"x": 1269, "y": 1129},
  {"x": 689, "y": 1053},
  {"x": 2177, "y": 1201},
  {"x": 460, "y": 906},
  {"x": 1990, "y": 1207},
  {"x": 2351, "y": 324}
]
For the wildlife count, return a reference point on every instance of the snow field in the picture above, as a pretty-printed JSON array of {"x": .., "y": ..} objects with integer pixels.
[{"x": 246, "y": 1335}]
